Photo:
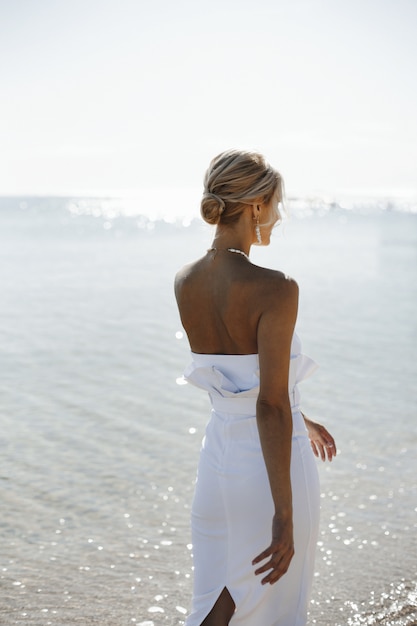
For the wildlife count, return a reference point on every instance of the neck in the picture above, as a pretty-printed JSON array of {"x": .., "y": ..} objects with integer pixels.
[
  {"x": 231, "y": 240},
  {"x": 238, "y": 235}
]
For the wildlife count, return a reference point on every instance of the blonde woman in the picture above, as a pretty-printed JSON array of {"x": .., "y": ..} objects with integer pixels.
[{"x": 256, "y": 469}]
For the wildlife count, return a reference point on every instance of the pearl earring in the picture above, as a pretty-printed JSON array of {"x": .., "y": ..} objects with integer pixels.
[{"x": 258, "y": 231}]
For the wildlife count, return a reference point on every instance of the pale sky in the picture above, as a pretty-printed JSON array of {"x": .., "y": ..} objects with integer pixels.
[{"x": 111, "y": 95}]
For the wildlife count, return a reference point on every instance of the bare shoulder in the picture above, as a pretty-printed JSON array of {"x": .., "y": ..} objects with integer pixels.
[
  {"x": 277, "y": 309},
  {"x": 181, "y": 275},
  {"x": 274, "y": 287},
  {"x": 184, "y": 274}
]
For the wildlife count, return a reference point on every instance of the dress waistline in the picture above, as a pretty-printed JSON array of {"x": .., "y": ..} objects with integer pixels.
[
  {"x": 241, "y": 409},
  {"x": 246, "y": 405}
]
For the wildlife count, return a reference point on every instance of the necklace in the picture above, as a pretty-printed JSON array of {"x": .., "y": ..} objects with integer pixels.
[{"x": 236, "y": 250}]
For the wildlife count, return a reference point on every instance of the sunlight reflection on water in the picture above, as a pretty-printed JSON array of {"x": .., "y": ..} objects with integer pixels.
[{"x": 101, "y": 437}]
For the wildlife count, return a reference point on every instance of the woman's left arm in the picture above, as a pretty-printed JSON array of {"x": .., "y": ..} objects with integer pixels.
[{"x": 322, "y": 442}]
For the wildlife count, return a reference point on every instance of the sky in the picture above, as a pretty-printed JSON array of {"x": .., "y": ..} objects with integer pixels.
[{"x": 109, "y": 96}]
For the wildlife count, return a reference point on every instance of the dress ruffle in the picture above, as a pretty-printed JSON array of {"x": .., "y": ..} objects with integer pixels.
[{"x": 217, "y": 383}]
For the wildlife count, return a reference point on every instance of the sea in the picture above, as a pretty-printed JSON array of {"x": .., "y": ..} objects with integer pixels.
[{"x": 99, "y": 437}]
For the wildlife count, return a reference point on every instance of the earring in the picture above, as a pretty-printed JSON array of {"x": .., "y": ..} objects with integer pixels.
[{"x": 258, "y": 231}]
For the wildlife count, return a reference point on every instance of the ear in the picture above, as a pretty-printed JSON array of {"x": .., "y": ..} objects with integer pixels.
[{"x": 256, "y": 210}]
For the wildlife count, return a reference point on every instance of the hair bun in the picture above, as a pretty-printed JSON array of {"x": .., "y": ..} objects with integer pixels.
[
  {"x": 214, "y": 196},
  {"x": 212, "y": 207}
]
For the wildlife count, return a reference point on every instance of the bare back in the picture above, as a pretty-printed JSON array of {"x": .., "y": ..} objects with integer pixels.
[{"x": 221, "y": 299}]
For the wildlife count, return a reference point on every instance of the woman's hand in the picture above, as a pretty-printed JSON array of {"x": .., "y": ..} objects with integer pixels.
[
  {"x": 322, "y": 442},
  {"x": 280, "y": 551}
]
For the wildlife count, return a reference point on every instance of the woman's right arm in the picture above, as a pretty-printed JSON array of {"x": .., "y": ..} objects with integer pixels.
[{"x": 274, "y": 419}]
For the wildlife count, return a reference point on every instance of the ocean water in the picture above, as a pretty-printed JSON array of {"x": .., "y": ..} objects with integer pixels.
[{"x": 99, "y": 442}]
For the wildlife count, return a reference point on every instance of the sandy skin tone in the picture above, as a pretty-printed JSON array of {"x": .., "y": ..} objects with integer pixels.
[{"x": 230, "y": 306}]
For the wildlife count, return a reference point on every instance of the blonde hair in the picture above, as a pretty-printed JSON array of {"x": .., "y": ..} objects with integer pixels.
[{"x": 234, "y": 179}]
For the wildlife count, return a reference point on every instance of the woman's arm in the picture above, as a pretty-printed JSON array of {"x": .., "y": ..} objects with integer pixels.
[{"x": 274, "y": 419}]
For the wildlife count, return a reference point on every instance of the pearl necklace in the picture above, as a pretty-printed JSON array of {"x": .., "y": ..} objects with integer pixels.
[{"x": 236, "y": 250}]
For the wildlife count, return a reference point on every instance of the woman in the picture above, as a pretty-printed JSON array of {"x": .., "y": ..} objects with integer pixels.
[{"x": 256, "y": 465}]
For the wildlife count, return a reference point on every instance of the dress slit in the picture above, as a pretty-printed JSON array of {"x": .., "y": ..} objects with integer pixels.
[{"x": 217, "y": 612}]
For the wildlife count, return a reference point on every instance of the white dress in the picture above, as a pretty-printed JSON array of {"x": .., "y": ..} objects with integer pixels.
[{"x": 232, "y": 508}]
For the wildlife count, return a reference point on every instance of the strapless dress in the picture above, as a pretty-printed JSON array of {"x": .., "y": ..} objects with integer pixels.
[{"x": 232, "y": 507}]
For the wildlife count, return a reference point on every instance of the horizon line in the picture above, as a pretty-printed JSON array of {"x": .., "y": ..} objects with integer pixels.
[{"x": 327, "y": 195}]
